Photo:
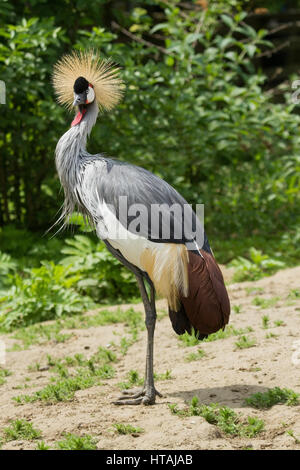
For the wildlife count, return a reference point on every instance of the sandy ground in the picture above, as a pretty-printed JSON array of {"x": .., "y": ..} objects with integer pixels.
[{"x": 225, "y": 375}]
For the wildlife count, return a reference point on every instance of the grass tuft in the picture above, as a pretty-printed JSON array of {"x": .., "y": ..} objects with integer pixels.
[
  {"x": 21, "y": 429},
  {"x": 195, "y": 356},
  {"x": 74, "y": 442},
  {"x": 244, "y": 342},
  {"x": 223, "y": 417},
  {"x": 273, "y": 396},
  {"x": 127, "y": 429}
]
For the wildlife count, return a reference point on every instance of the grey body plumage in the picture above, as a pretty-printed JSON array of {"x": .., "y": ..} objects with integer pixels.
[{"x": 90, "y": 179}]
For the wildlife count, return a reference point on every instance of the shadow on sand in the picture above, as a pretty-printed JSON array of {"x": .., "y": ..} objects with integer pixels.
[{"x": 229, "y": 395}]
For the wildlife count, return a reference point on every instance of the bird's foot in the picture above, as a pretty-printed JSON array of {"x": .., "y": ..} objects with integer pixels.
[{"x": 144, "y": 395}]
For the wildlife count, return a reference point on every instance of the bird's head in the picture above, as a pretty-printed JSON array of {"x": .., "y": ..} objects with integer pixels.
[
  {"x": 82, "y": 78},
  {"x": 84, "y": 95},
  {"x": 83, "y": 92}
]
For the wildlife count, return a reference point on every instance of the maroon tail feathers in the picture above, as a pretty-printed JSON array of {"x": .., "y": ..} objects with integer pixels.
[{"x": 207, "y": 307}]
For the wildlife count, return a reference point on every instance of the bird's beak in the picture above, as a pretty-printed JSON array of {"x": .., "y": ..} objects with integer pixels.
[{"x": 79, "y": 99}]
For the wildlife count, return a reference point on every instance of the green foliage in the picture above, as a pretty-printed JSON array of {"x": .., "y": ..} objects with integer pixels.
[
  {"x": 244, "y": 342},
  {"x": 291, "y": 433},
  {"x": 122, "y": 428},
  {"x": 3, "y": 374},
  {"x": 88, "y": 372},
  {"x": 229, "y": 331},
  {"x": 272, "y": 397},
  {"x": 7, "y": 267},
  {"x": 256, "y": 267},
  {"x": 40, "y": 333},
  {"x": 42, "y": 446},
  {"x": 265, "y": 303},
  {"x": 74, "y": 442},
  {"x": 46, "y": 293},
  {"x": 133, "y": 380},
  {"x": 103, "y": 278},
  {"x": 237, "y": 308},
  {"x": 265, "y": 321},
  {"x": 195, "y": 112},
  {"x": 190, "y": 339},
  {"x": 195, "y": 356},
  {"x": 223, "y": 417},
  {"x": 165, "y": 376},
  {"x": 21, "y": 429}
]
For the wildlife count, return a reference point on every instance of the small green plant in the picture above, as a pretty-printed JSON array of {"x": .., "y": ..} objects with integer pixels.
[
  {"x": 7, "y": 267},
  {"x": 265, "y": 303},
  {"x": 125, "y": 344},
  {"x": 228, "y": 332},
  {"x": 291, "y": 433},
  {"x": 195, "y": 356},
  {"x": 294, "y": 294},
  {"x": 21, "y": 429},
  {"x": 165, "y": 376},
  {"x": 190, "y": 339},
  {"x": 127, "y": 429},
  {"x": 237, "y": 308},
  {"x": 244, "y": 342},
  {"x": 223, "y": 417},
  {"x": 279, "y": 323},
  {"x": 74, "y": 442},
  {"x": 271, "y": 335},
  {"x": 253, "y": 427},
  {"x": 173, "y": 407},
  {"x": 272, "y": 397},
  {"x": 3, "y": 374},
  {"x": 257, "y": 266},
  {"x": 42, "y": 446},
  {"x": 87, "y": 374},
  {"x": 133, "y": 380},
  {"x": 40, "y": 333},
  {"x": 265, "y": 322},
  {"x": 34, "y": 367},
  {"x": 254, "y": 290}
]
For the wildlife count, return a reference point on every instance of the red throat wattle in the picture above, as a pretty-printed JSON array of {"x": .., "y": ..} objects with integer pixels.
[{"x": 78, "y": 117}]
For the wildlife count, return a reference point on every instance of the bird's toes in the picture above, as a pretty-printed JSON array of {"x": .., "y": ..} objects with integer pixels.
[
  {"x": 132, "y": 401},
  {"x": 148, "y": 400},
  {"x": 134, "y": 392}
]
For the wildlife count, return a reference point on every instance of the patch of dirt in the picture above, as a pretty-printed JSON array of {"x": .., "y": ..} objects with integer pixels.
[{"x": 226, "y": 375}]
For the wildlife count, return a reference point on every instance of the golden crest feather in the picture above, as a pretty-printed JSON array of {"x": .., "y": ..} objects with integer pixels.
[{"x": 103, "y": 74}]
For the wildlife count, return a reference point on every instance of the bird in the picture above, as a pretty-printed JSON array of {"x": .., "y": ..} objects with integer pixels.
[{"x": 143, "y": 221}]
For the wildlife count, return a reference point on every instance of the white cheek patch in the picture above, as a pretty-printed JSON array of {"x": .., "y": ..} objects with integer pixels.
[{"x": 90, "y": 95}]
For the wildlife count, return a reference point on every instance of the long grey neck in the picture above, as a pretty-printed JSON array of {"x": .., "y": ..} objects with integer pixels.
[{"x": 70, "y": 155}]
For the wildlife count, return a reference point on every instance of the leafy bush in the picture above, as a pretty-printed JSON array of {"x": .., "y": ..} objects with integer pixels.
[
  {"x": 195, "y": 109},
  {"x": 21, "y": 429},
  {"x": 74, "y": 442},
  {"x": 7, "y": 266},
  {"x": 272, "y": 397},
  {"x": 45, "y": 293},
  {"x": 195, "y": 112},
  {"x": 257, "y": 266},
  {"x": 102, "y": 276}
]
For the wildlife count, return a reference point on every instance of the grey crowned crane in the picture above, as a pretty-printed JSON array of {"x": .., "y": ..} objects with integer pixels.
[{"x": 163, "y": 251}]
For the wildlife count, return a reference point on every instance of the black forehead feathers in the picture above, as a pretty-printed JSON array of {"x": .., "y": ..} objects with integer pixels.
[{"x": 80, "y": 85}]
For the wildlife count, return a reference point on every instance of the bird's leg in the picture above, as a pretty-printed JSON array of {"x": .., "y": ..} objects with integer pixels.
[{"x": 147, "y": 394}]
